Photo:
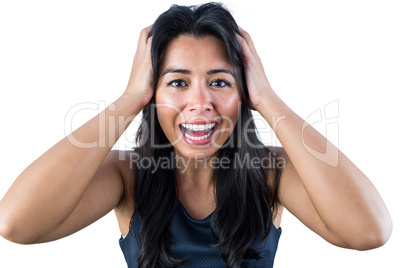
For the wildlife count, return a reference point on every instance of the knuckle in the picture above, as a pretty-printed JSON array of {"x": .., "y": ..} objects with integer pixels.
[
  {"x": 242, "y": 40},
  {"x": 143, "y": 32},
  {"x": 246, "y": 34}
]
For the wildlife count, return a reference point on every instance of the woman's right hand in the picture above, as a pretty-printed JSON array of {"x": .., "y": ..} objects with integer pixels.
[
  {"x": 141, "y": 83},
  {"x": 79, "y": 179}
]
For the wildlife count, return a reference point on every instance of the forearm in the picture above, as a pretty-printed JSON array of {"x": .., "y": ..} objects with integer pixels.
[
  {"x": 344, "y": 198},
  {"x": 50, "y": 188}
]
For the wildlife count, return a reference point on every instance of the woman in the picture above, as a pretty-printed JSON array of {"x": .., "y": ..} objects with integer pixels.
[{"x": 205, "y": 191}]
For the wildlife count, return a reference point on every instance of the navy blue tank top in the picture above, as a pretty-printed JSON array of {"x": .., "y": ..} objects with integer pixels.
[{"x": 192, "y": 238}]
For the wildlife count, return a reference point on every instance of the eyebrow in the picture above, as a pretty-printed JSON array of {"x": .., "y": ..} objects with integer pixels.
[
  {"x": 215, "y": 71},
  {"x": 185, "y": 71},
  {"x": 181, "y": 71}
]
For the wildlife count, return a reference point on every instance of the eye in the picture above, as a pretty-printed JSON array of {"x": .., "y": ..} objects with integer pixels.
[
  {"x": 177, "y": 83},
  {"x": 220, "y": 83}
]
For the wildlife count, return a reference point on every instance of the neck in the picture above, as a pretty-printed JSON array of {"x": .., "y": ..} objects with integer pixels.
[{"x": 195, "y": 174}]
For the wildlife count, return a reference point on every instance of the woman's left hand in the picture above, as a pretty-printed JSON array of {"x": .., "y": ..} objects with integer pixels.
[
  {"x": 326, "y": 191},
  {"x": 257, "y": 82}
]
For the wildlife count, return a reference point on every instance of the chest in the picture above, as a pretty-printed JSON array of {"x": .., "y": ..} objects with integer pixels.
[
  {"x": 193, "y": 239},
  {"x": 198, "y": 206}
]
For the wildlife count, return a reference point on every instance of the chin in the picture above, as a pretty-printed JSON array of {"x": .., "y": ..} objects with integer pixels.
[{"x": 196, "y": 154}]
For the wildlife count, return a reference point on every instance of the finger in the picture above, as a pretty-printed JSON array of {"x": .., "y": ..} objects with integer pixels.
[
  {"x": 247, "y": 53},
  {"x": 144, "y": 36},
  {"x": 248, "y": 39},
  {"x": 148, "y": 50}
]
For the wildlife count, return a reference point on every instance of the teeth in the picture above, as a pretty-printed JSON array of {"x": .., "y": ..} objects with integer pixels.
[
  {"x": 198, "y": 138},
  {"x": 198, "y": 127}
]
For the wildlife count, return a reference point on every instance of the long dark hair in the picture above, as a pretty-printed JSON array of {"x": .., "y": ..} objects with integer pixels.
[{"x": 245, "y": 205}]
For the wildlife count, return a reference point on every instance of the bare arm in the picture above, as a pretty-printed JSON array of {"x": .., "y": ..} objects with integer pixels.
[
  {"x": 319, "y": 185},
  {"x": 78, "y": 180}
]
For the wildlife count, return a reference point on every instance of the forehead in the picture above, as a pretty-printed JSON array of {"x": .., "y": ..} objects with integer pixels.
[{"x": 188, "y": 51}]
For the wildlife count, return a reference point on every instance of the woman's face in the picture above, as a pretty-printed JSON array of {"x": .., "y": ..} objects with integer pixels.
[{"x": 197, "y": 96}]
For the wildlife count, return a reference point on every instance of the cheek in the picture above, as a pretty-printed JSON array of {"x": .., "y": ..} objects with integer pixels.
[
  {"x": 169, "y": 106},
  {"x": 167, "y": 110},
  {"x": 230, "y": 108},
  {"x": 164, "y": 98},
  {"x": 167, "y": 115},
  {"x": 167, "y": 118}
]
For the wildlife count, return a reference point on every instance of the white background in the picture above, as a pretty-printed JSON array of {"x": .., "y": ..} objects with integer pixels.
[{"x": 57, "y": 54}]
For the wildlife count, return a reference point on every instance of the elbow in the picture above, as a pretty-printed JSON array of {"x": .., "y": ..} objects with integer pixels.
[
  {"x": 373, "y": 238},
  {"x": 380, "y": 236},
  {"x": 9, "y": 232},
  {"x": 5, "y": 230}
]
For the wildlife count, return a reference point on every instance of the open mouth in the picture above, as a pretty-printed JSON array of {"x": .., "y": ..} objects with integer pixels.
[{"x": 198, "y": 132}]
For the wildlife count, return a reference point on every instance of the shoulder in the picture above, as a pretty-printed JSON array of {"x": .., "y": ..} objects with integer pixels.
[
  {"x": 124, "y": 162},
  {"x": 288, "y": 173},
  {"x": 280, "y": 161},
  {"x": 278, "y": 151}
]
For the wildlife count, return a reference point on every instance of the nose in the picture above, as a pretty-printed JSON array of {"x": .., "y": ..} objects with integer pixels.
[{"x": 200, "y": 100}]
